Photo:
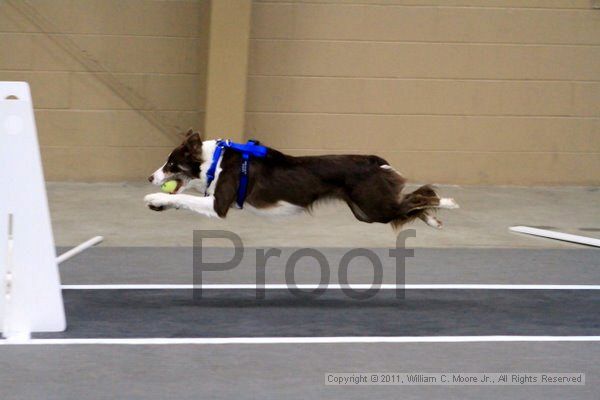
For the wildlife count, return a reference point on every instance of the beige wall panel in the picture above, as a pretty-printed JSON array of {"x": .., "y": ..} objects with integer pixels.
[
  {"x": 422, "y": 60},
  {"x": 160, "y": 18},
  {"x": 16, "y": 60},
  {"x": 184, "y": 120},
  {"x": 176, "y": 92},
  {"x": 114, "y": 17},
  {"x": 387, "y": 96},
  {"x": 144, "y": 54},
  {"x": 497, "y": 85},
  {"x": 493, "y": 167},
  {"x": 48, "y": 89},
  {"x": 157, "y": 48},
  {"x": 88, "y": 92},
  {"x": 375, "y": 133},
  {"x": 429, "y": 24},
  {"x": 227, "y": 68},
  {"x": 163, "y": 92},
  {"x": 453, "y": 91},
  {"x": 117, "y": 53},
  {"x": 583, "y": 4},
  {"x": 95, "y": 163},
  {"x": 124, "y": 128},
  {"x": 589, "y": 97},
  {"x": 500, "y": 168}
]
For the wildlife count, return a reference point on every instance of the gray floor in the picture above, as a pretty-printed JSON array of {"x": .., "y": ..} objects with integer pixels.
[
  {"x": 297, "y": 371},
  {"x": 284, "y": 371},
  {"x": 174, "y": 265},
  {"x": 238, "y": 313},
  {"x": 474, "y": 247}
]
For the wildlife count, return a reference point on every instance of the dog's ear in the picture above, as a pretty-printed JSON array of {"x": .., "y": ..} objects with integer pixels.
[
  {"x": 191, "y": 132},
  {"x": 193, "y": 142}
]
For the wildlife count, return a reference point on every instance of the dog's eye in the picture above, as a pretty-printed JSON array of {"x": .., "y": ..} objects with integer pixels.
[{"x": 171, "y": 167}]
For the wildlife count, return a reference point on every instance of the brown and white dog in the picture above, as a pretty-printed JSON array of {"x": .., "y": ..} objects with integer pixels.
[{"x": 280, "y": 184}]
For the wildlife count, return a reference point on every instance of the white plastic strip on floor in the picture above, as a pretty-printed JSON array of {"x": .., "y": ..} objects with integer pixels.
[
  {"x": 567, "y": 237},
  {"x": 333, "y": 286},
  {"x": 304, "y": 340},
  {"x": 80, "y": 248}
]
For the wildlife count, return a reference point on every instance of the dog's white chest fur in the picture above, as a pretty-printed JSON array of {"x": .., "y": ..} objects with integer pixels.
[{"x": 208, "y": 151}]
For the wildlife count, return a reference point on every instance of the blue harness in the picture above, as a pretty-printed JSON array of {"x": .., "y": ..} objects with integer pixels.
[{"x": 246, "y": 150}]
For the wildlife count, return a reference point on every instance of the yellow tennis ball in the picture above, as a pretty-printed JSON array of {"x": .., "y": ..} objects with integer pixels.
[{"x": 169, "y": 186}]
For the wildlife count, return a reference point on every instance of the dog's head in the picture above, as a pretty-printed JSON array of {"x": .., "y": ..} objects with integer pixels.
[{"x": 183, "y": 164}]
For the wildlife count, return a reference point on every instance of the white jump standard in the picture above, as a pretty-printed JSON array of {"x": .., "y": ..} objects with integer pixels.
[{"x": 30, "y": 291}]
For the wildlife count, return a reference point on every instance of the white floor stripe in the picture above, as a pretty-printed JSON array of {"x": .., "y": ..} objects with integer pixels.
[
  {"x": 305, "y": 340},
  {"x": 332, "y": 286}
]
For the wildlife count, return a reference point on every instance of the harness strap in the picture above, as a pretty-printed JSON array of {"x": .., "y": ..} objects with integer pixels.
[
  {"x": 241, "y": 193},
  {"x": 210, "y": 174},
  {"x": 246, "y": 150}
]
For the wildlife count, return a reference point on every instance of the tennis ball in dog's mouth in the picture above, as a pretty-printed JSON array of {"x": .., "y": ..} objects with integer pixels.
[{"x": 169, "y": 186}]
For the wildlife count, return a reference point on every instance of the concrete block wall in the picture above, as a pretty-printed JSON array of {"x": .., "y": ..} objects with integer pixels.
[
  {"x": 449, "y": 91},
  {"x": 87, "y": 132}
]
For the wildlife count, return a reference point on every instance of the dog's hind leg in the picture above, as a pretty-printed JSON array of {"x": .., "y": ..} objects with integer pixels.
[
  {"x": 420, "y": 204},
  {"x": 443, "y": 202},
  {"x": 431, "y": 220},
  {"x": 358, "y": 212}
]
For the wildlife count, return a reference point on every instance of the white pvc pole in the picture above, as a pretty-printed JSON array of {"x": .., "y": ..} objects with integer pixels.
[
  {"x": 567, "y": 237},
  {"x": 78, "y": 249}
]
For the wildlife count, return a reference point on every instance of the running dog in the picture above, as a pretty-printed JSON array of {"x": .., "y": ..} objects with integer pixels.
[{"x": 279, "y": 184}]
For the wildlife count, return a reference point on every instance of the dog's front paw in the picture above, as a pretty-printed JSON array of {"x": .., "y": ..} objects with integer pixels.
[
  {"x": 159, "y": 201},
  {"x": 156, "y": 208}
]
